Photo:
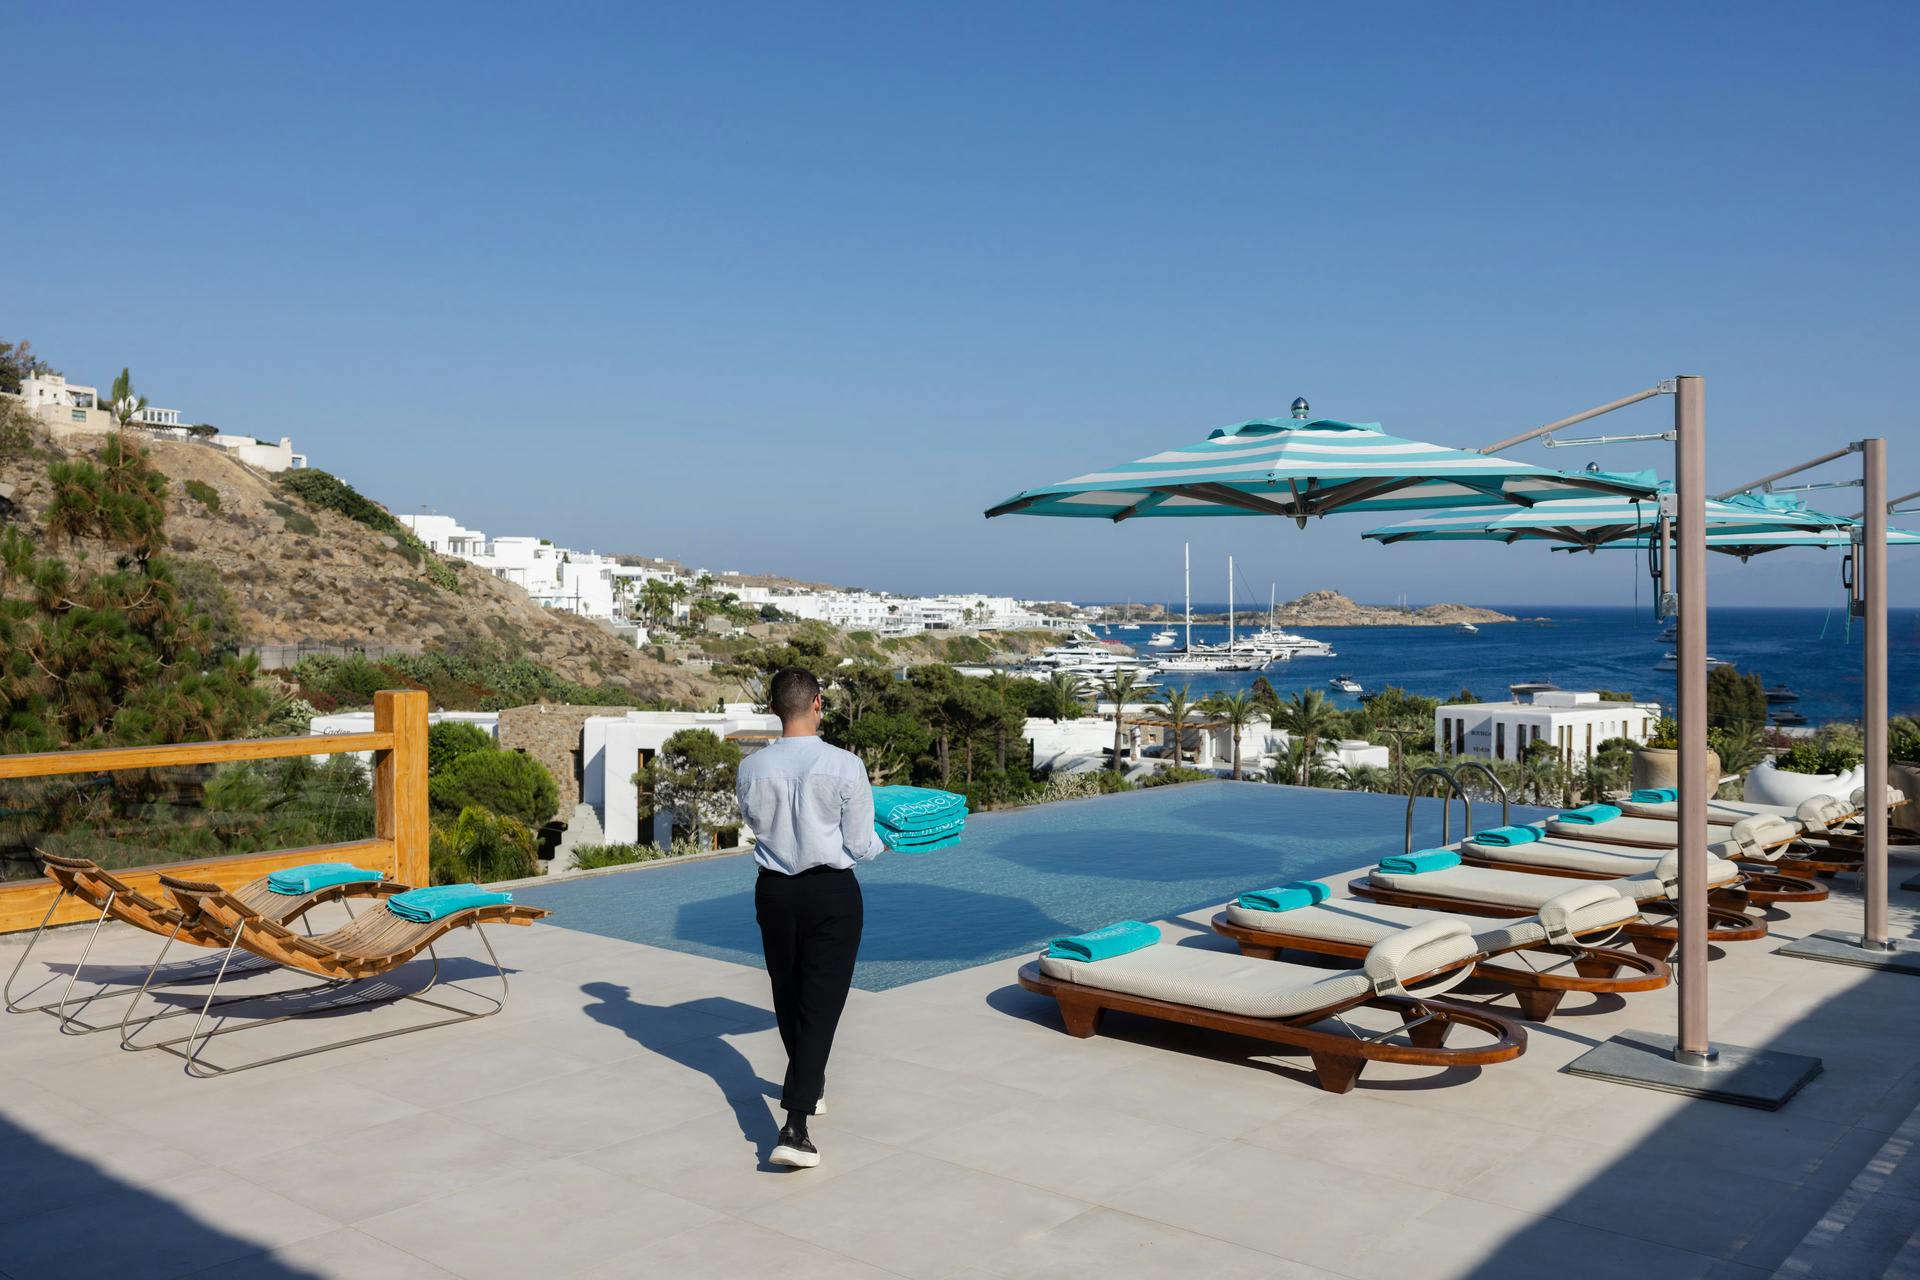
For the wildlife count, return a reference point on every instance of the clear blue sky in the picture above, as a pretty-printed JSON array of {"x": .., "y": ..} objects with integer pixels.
[{"x": 804, "y": 288}]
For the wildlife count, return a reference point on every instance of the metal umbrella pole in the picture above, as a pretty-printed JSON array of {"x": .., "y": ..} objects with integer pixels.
[
  {"x": 1690, "y": 705},
  {"x": 1871, "y": 946}
]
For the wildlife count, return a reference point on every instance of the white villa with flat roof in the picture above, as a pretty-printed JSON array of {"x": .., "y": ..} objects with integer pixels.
[{"x": 1575, "y": 723}]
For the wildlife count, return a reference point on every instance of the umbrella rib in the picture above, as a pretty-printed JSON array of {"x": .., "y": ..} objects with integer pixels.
[
  {"x": 1153, "y": 499},
  {"x": 1228, "y": 496},
  {"x": 1013, "y": 505},
  {"x": 1351, "y": 491}
]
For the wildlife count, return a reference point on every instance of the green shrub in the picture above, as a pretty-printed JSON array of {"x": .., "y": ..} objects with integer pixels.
[
  {"x": 1903, "y": 740},
  {"x": 505, "y": 782},
  {"x": 204, "y": 494},
  {"x": 296, "y": 521},
  {"x": 480, "y": 847},
  {"x": 591, "y": 857},
  {"x": 1176, "y": 775},
  {"x": 451, "y": 739},
  {"x": 1666, "y": 734},
  {"x": 1828, "y": 752}
]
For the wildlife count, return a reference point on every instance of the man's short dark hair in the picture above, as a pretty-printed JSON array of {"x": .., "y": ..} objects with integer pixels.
[{"x": 792, "y": 692}]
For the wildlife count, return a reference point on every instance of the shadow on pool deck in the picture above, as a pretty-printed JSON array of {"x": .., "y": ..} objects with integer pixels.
[
  {"x": 613, "y": 1006},
  {"x": 68, "y": 1217}
]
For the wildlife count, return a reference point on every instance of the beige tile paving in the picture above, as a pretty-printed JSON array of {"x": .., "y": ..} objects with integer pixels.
[{"x": 616, "y": 1118}]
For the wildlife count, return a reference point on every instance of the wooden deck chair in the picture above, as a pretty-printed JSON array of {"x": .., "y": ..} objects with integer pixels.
[
  {"x": 1763, "y": 839},
  {"x": 1592, "y": 860},
  {"x": 1286, "y": 1004},
  {"x": 374, "y": 945},
  {"x": 88, "y": 882},
  {"x": 1549, "y": 953},
  {"x": 1482, "y": 891}
]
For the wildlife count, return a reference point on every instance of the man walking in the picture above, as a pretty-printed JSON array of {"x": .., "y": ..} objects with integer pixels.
[{"x": 811, "y": 810}]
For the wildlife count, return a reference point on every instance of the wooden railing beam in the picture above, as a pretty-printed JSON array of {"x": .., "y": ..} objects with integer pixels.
[{"x": 47, "y": 764}]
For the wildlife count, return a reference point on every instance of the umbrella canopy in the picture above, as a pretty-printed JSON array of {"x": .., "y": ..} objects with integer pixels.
[
  {"x": 1747, "y": 545},
  {"x": 1593, "y": 521},
  {"x": 1302, "y": 467}
]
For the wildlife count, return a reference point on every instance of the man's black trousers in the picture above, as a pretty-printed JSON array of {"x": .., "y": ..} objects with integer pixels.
[{"x": 810, "y": 928}]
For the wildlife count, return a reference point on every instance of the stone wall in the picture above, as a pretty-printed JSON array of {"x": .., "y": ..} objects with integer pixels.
[{"x": 550, "y": 733}]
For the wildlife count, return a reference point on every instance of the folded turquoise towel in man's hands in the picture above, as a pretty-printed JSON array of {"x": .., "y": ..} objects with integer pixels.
[
  {"x": 316, "y": 875},
  {"x": 1407, "y": 864},
  {"x": 1104, "y": 944},
  {"x": 1503, "y": 837},
  {"x": 1286, "y": 897},
  {"x": 916, "y": 808},
  {"x": 1655, "y": 795},
  {"x": 900, "y": 844},
  {"x": 1588, "y": 815},
  {"x": 425, "y": 905}
]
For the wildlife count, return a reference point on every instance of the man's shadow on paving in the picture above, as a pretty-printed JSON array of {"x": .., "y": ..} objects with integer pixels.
[{"x": 662, "y": 1029}]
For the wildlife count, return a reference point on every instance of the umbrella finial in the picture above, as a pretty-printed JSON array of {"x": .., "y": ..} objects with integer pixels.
[{"x": 1300, "y": 408}]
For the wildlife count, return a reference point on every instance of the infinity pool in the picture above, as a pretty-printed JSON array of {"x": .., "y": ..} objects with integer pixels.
[{"x": 1022, "y": 876}]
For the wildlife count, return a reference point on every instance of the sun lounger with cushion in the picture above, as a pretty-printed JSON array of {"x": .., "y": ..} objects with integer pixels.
[
  {"x": 1288, "y": 1004},
  {"x": 374, "y": 945},
  {"x": 87, "y": 881},
  {"x": 1592, "y": 860},
  {"x": 1482, "y": 891},
  {"x": 1546, "y": 955}
]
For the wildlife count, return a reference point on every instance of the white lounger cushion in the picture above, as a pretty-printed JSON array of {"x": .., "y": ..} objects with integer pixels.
[
  {"x": 1230, "y": 983},
  {"x": 1724, "y": 813},
  {"x": 1361, "y": 923},
  {"x": 1528, "y": 892},
  {"x": 1572, "y": 855},
  {"x": 1653, "y": 833}
]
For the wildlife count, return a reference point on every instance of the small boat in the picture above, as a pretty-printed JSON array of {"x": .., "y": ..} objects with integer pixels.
[
  {"x": 1671, "y": 662},
  {"x": 1346, "y": 684},
  {"x": 1470, "y": 629},
  {"x": 1163, "y": 639},
  {"x": 1779, "y": 693}
]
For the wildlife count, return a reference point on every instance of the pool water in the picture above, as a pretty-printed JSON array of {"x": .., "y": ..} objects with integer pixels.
[{"x": 1024, "y": 875}]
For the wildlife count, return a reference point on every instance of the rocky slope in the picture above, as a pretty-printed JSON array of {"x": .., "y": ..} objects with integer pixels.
[{"x": 303, "y": 575}]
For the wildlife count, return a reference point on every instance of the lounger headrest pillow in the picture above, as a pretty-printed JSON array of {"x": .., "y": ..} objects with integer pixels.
[
  {"x": 1668, "y": 871},
  {"x": 1557, "y": 913},
  {"x": 1815, "y": 812},
  {"x": 1415, "y": 951},
  {"x": 1753, "y": 835},
  {"x": 1895, "y": 797}
]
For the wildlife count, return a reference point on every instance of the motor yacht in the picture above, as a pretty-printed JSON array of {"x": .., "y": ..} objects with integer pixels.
[
  {"x": 1346, "y": 684},
  {"x": 1671, "y": 662},
  {"x": 1164, "y": 639}
]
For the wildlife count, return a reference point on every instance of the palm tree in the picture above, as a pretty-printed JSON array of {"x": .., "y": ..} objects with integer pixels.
[
  {"x": 1236, "y": 711},
  {"x": 1178, "y": 706},
  {"x": 1119, "y": 688},
  {"x": 1064, "y": 691},
  {"x": 1307, "y": 717}
]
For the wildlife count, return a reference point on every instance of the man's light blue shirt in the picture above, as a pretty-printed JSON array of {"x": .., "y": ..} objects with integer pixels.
[{"x": 809, "y": 805}]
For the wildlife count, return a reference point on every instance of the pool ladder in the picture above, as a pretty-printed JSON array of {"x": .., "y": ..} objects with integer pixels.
[{"x": 1454, "y": 788}]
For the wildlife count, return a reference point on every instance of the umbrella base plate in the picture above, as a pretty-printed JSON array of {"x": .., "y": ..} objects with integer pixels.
[
  {"x": 1839, "y": 946},
  {"x": 1762, "y": 1078}
]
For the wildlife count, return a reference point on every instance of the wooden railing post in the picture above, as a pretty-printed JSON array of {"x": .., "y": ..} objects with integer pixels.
[{"x": 400, "y": 781}]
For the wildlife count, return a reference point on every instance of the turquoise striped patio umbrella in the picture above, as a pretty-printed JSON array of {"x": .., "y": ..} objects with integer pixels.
[
  {"x": 1748, "y": 545},
  {"x": 1300, "y": 468},
  {"x": 1597, "y": 520}
]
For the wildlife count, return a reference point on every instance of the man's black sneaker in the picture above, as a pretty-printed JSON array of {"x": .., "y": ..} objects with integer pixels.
[{"x": 795, "y": 1151}]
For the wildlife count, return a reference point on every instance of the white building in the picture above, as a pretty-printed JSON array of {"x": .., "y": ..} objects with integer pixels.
[
  {"x": 154, "y": 416},
  {"x": 362, "y": 722},
  {"x": 614, "y": 748},
  {"x": 1575, "y": 723},
  {"x": 1070, "y": 746}
]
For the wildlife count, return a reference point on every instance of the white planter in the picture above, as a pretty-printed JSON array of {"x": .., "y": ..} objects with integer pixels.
[{"x": 1768, "y": 785}]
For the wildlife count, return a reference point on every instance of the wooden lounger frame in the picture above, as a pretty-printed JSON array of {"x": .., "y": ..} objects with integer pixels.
[
  {"x": 380, "y": 945},
  {"x": 1755, "y": 886},
  {"x": 1597, "y": 970},
  {"x": 1338, "y": 1058},
  {"x": 87, "y": 881},
  {"x": 1649, "y": 937}
]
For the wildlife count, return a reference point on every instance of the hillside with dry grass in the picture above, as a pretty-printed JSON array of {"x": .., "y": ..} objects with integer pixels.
[{"x": 301, "y": 574}]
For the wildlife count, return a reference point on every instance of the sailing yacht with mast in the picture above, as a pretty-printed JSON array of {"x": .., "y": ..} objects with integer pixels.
[
  {"x": 1282, "y": 645},
  {"x": 1213, "y": 658}
]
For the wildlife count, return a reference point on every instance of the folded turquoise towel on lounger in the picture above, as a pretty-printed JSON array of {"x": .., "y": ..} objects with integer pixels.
[
  {"x": 1505, "y": 837},
  {"x": 424, "y": 905},
  {"x": 1655, "y": 795},
  {"x": 1104, "y": 944},
  {"x": 912, "y": 808},
  {"x": 1407, "y": 864},
  {"x": 1588, "y": 815},
  {"x": 316, "y": 875},
  {"x": 1286, "y": 897}
]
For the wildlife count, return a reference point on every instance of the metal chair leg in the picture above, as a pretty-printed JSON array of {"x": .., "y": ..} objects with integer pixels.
[{"x": 11, "y": 1003}]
